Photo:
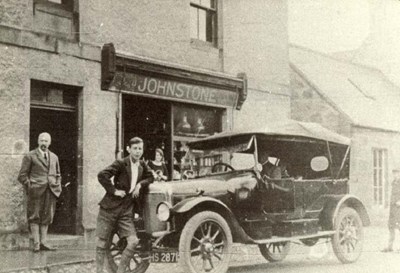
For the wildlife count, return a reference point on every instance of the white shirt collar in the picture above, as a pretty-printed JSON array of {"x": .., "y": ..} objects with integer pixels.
[{"x": 42, "y": 153}]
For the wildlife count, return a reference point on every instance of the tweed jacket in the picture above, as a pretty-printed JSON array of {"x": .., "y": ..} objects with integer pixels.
[{"x": 37, "y": 174}]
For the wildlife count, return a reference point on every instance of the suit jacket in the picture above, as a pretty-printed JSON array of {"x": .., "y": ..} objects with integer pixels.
[
  {"x": 37, "y": 174},
  {"x": 120, "y": 171}
]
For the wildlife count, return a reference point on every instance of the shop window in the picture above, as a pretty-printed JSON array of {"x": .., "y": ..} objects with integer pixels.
[
  {"x": 190, "y": 123},
  {"x": 203, "y": 21},
  {"x": 380, "y": 177}
]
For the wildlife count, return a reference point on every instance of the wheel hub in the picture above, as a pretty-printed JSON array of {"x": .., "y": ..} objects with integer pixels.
[{"x": 207, "y": 248}]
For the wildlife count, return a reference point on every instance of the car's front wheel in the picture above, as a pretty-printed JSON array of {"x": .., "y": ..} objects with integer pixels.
[
  {"x": 347, "y": 241},
  {"x": 275, "y": 252},
  {"x": 205, "y": 244}
]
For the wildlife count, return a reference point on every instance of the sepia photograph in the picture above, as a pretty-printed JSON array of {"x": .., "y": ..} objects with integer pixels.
[{"x": 194, "y": 136}]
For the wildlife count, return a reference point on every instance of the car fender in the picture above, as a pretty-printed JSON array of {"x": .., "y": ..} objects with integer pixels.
[
  {"x": 189, "y": 203},
  {"x": 209, "y": 203},
  {"x": 333, "y": 205}
]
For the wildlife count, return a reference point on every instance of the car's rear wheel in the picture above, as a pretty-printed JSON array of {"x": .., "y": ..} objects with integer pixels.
[
  {"x": 116, "y": 246},
  {"x": 347, "y": 241},
  {"x": 205, "y": 244},
  {"x": 275, "y": 252}
]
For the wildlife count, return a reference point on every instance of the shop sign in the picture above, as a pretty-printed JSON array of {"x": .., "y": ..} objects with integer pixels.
[{"x": 168, "y": 89}]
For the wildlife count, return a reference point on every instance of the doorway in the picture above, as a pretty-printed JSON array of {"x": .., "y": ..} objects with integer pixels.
[
  {"x": 148, "y": 119},
  {"x": 55, "y": 112}
]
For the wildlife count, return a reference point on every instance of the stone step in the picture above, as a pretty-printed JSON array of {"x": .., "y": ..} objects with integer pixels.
[
  {"x": 67, "y": 241},
  {"x": 23, "y": 241}
]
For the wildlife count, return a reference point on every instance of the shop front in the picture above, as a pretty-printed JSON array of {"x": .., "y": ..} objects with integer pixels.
[{"x": 168, "y": 105}]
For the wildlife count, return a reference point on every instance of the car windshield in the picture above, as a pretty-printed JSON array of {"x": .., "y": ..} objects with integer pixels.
[{"x": 218, "y": 159}]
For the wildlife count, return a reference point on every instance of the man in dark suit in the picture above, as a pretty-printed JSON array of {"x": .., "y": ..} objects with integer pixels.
[
  {"x": 40, "y": 174},
  {"x": 130, "y": 177}
]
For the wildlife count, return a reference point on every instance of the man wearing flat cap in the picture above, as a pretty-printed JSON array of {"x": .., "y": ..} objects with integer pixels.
[{"x": 394, "y": 212}]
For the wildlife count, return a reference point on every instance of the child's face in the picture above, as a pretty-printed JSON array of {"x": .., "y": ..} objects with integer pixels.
[
  {"x": 136, "y": 151},
  {"x": 158, "y": 157}
]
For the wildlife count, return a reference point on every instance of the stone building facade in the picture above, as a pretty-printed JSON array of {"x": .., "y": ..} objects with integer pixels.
[{"x": 51, "y": 80}]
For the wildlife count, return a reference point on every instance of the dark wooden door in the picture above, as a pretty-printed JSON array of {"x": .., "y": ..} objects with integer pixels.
[{"x": 62, "y": 126}]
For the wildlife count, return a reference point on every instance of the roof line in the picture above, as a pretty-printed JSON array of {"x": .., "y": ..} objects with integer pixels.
[
  {"x": 371, "y": 68},
  {"x": 360, "y": 90},
  {"x": 335, "y": 59},
  {"x": 315, "y": 87},
  {"x": 376, "y": 128}
]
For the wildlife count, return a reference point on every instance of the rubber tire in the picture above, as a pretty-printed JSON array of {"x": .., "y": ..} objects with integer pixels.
[
  {"x": 188, "y": 232},
  {"x": 343, "y": 213},
  {"x": 113, "y": 266},
  {"x": 271, "y": 257}
]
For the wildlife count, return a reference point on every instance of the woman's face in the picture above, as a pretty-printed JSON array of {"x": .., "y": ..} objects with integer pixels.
[{"x": 158, "y": 157}]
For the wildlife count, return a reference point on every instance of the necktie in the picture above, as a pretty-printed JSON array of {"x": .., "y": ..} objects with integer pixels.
[{"x": 45, "y": 156}]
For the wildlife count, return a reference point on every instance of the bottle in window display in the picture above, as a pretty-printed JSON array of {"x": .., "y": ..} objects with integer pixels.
[
  {"x": 184, "y": 126},
  {"x": 199, "y": 126}
]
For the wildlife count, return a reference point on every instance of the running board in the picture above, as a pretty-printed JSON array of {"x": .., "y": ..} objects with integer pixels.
[{"x": 275, "y": 239}]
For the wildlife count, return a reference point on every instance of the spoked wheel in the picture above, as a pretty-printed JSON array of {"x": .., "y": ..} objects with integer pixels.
[
  {"x": 275, "y": 252},
  {"x": 347, "y": 242},
  {"x": 205, "y": 244},
  {"x": 116, "y": 246}
]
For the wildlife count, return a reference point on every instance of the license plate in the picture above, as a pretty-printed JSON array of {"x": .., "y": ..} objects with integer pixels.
[{"x": 163, "y": 256}]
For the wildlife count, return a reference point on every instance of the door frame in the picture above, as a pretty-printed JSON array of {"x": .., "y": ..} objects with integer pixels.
[{"x": 77, "y": 227}]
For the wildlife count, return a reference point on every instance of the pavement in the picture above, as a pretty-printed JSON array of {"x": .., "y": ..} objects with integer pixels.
[{"x": 82, "y": 259}]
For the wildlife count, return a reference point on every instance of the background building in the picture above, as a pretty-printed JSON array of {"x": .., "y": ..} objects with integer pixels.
[
  {"x": 358, "y": 102},
  {"x": 176, "y": 63}
]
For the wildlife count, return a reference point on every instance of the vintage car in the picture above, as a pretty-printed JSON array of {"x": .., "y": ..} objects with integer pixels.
[{"x": 288, "y": 183}]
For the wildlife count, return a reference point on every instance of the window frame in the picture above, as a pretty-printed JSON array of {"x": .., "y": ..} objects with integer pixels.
[
  {"x": 380, "y": 177},
  {"x": 214, "y": 23},
  {"x": 66, "y": 5}
]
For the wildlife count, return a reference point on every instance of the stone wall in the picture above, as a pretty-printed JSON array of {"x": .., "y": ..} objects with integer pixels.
[
  {"x": 309, "y": 105},
  {"x": 252, "y": 38}
]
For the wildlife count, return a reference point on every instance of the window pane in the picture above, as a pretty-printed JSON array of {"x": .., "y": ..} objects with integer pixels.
[
  {"x": 38, "y": 94},
  {"x": 194, "y": 23},
  {"x": 55, "y": 96},
  {"x": 196, "y": 121},
  {"x": 56, "y": 1},
  {"x": 202, "y": 25},
  {"x": 209, "y": 27}
]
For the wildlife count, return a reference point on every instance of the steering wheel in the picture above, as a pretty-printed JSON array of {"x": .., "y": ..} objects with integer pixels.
[{"x": 226, "y": 165}]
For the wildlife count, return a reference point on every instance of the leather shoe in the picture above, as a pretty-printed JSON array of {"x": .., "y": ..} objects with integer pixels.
[
  {"x": 46, "y": 248},
  {"x": 36, "y": 247}
]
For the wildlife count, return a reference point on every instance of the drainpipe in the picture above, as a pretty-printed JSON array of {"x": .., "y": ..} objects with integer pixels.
[{"x": 118, "y": 147}]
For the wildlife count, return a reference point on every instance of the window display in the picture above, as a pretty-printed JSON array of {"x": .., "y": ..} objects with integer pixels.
[{"x": 194, "y": 121}]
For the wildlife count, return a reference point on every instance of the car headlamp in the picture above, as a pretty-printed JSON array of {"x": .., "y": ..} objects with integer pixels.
[{"x": 163, "y": 212}]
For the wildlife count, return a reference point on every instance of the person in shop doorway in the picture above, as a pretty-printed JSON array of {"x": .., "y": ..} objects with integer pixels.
[
  {"x": 394, "y": 210},
  {"x": 131, "y": 177},
  {"x": 158, "y": 166},
  {"x": 40, "y": 174}
]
